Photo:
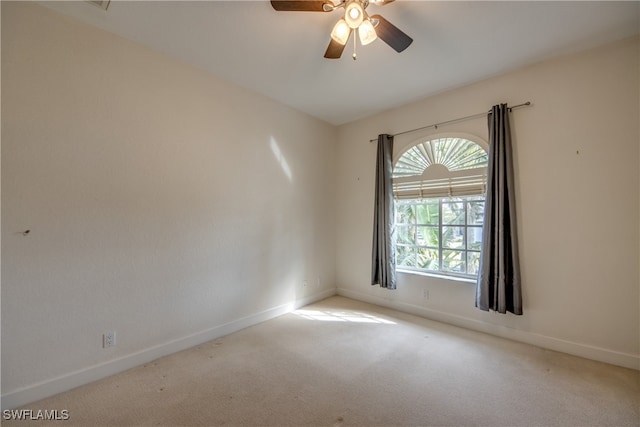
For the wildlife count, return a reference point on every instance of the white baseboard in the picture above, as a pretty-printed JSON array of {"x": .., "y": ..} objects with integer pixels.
[
  {"x": 42, "y": 390},
  {"x": 581, "y": 350}
]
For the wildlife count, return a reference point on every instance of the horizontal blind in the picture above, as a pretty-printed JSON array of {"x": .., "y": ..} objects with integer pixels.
[{"x": 469, "y": 182}]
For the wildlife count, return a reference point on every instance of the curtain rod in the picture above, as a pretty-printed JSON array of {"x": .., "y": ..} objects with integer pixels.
[{"x": 473, "y": 116}]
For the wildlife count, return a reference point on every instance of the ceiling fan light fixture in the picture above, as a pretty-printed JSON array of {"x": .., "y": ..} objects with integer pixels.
[
  {"x": 340, "y": 32},
  {"x": 354, "y": 17},
  {"x": 354, "y": 14},
  {"x": 367, "y": 33}
]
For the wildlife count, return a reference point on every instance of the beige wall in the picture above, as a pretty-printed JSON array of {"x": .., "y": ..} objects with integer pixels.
[
  {"x": 576, "y": 159},
  {"x": 163, "y": 203}
]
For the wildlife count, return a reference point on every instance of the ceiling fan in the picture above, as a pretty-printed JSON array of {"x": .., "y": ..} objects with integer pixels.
[{"x": 355, "y": 18}]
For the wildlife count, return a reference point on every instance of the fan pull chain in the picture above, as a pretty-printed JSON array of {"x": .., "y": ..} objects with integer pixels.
[{"x": 354, "y": 56}]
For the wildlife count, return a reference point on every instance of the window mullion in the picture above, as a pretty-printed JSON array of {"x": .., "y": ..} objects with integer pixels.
[
  {"x": 440, "y": 220},
  {"x": 415, "y": 236},
  {"x": 466, "y": 229}
]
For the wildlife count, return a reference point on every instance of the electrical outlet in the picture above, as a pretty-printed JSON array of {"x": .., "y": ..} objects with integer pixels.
[
  {"x": 304, "y": 284},
  {"x": 425, "y": 294},
  {"x": 109, "y": 339}
]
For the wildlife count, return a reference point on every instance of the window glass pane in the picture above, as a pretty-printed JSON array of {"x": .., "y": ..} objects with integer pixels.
[
  {"x": 428, "y": 259},
  {"x": 475, "y": 212},
  {"x": 405, "y": 213},
  {"x": 452, "y": 237},
  {"x": 473, "y": 262},
  {"x": 405, "y": 234},
  {"x": 405, "y": 256},
  {"x": 427, "y": 213},
  {"x": 427, "y": 236},
  {"x": 474, "y": 238},
  {"x": 452, "y": 213},
  {"x": 453, "y": 261},
  {"x": 451, "y": 247}
]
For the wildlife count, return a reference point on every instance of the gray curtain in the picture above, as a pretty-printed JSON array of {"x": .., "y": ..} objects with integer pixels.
[
  {"x": 383, "y": 271},
  {"x": 499, "y": 287}
]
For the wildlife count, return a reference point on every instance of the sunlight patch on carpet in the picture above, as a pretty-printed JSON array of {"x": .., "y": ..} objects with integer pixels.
[{"x": 340, "y": 316}]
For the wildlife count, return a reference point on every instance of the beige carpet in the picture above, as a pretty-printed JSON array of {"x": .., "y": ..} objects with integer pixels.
[{"x": 341, "y": 362}]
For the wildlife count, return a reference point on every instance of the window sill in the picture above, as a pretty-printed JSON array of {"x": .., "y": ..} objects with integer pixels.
[{"x": 437, "y": 276}]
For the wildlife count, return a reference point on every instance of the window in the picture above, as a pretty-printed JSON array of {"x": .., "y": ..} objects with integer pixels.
[{"x": 439, "y": 190}]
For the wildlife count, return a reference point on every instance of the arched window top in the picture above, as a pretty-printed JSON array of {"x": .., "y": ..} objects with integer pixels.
[
  {"x": 443, "y": 166},
  {"x": 454, "y": 153}
]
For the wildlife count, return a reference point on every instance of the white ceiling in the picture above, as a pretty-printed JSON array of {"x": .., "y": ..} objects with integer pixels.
[{"x": 280, "y": 54}]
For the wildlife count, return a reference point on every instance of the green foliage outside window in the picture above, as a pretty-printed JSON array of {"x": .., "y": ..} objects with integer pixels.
[{"x": 451, "y": 245}]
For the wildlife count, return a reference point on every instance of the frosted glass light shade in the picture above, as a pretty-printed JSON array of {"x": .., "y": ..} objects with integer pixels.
[
  {"x": 367, "y": 33},
  {"x": 354, "y": 14},
  {"x": 340, "y": 32}
]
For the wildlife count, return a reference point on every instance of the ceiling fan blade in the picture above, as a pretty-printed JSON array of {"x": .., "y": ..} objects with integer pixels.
[
  {"x": 299, "y": 5},
  {"x": 381, "y": 2},
  {"x": 334, "y": 50},
  {"x": 391, "y": 35}
]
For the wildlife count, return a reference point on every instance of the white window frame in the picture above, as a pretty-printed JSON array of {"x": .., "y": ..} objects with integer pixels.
[
  {"x": 437, "y": 182},
  {"x": 466, "y": 247}
]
